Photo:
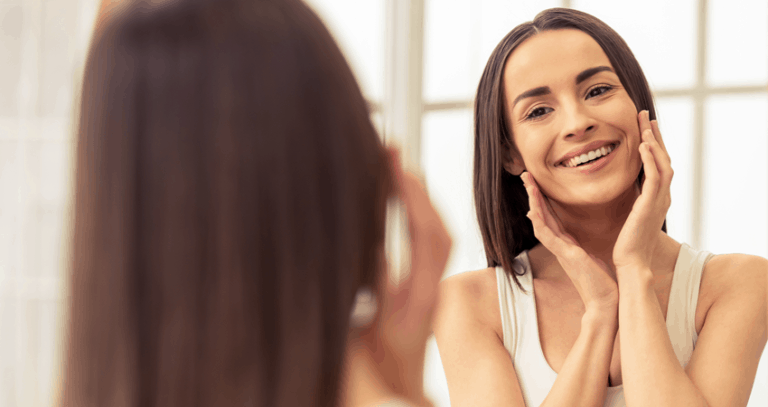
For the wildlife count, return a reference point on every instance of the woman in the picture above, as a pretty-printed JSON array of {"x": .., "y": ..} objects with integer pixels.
[
  {"x": 230, "y": 203},
  {"x": 587, "y": 301}
]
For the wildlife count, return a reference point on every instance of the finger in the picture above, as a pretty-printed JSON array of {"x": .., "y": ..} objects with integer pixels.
[
  {"x": 546, "y": 222},
  {"x": 546, "y": 236},
  {"x": 553, "y": 214},
  {"x": 531, "y": 201},
  {"x": 643, "y": 122},
  {"x": 430, "y": 240},
  {"x": 650, "y": 133},
  {"x": 651, "y": 136},
  {"x": 542, "y": 206},
  {"x": 666, "y": 173},
  {"x": 667, "y": 160},
  {"x": 651, "y": 183},
  {"x": 548, "y": 213},
  {"x": 657, "y": 135},
  {"x": 661, "y": 158}
]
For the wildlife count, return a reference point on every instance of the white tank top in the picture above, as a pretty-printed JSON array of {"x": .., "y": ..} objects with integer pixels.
[{"x": 521, "y": 330}]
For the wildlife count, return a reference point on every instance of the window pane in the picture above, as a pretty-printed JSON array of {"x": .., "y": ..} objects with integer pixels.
[
  {"x": 660, "y": 33},
  {"x": 11, "y": 19},
  {"x": 447, "y": 49},
  {"x": 737, "y": 42},
  {"x": 675, "y": 117},
  {"x": 459, "y": 36},
  {"x": 736, "y": 175},
  {"x": 57, "y": 59},
  {"x": 447, "y": 156},
  {"x": 10, "y": 182},
  {"x": 358, "y": 27}
]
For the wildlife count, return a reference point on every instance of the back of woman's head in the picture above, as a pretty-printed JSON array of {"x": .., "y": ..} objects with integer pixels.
[
  {"x": 230, "y": 194},
  {"x": 500, "y": 197}
]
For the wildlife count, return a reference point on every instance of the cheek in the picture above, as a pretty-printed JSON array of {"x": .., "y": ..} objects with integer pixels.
[
  {"x": 535, "y": 157},
  {"x": 622, "y": 116}
]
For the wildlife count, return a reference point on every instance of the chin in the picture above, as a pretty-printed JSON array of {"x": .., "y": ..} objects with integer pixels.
[{"x": 609, "y": 191}]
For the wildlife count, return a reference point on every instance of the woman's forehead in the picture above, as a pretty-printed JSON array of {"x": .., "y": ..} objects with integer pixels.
[{"x": 552, "y": 56}]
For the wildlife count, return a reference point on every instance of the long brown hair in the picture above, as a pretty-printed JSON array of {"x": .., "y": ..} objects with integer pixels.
[
  {"x": 500, "y": 198},
  {"x": 230, "y": 197}
]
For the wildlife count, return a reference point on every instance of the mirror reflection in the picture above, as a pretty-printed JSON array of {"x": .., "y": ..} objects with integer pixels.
[{"x": 546, "y": 320}]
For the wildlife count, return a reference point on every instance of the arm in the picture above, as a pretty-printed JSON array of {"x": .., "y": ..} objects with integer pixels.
[
  {"x": 385, "y": 357},
  {"x": 479, "y": 369},
  {"x": 723, "y": 366}
]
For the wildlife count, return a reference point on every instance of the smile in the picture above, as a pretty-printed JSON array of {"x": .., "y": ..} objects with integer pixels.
[{"x": 590, "y": 158}]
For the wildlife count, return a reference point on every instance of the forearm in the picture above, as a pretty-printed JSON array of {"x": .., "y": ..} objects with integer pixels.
[
  {"x": 651, "y": 373},
  {"x": 583, "y": 379}
]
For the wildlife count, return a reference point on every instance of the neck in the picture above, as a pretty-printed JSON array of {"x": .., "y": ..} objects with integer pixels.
[{"x": 596, "y": 227}]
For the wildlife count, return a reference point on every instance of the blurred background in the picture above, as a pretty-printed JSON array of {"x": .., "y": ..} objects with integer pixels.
[{"x": 418, "y": 63}]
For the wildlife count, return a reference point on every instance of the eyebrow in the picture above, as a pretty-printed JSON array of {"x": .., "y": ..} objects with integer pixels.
[
  {"x": 587, "y": 73},
  {"x": 545, "y": 90}
]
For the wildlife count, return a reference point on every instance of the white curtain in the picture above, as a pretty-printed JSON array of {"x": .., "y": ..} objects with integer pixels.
[{"x": 42, "y": 48}]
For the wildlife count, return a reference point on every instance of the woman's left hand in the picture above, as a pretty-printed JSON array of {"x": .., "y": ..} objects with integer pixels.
[{"x": 637, "y": 240}]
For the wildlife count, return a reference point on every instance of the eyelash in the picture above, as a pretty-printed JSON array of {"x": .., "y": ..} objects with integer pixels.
[{"x": 607, "y": 88}]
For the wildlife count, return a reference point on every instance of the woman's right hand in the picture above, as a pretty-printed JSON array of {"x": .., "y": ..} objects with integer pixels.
[
  {"x": 590, "y": 275},
  {"x": 406, "y": 307}
]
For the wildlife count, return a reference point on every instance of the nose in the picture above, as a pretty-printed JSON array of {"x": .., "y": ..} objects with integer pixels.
[{"x": 576, "y": 122}]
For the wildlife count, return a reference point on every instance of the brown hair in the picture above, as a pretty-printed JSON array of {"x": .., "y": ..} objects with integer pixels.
[
  {"x": 230, "y": 197},
  {"x": 500, "y": 198}
]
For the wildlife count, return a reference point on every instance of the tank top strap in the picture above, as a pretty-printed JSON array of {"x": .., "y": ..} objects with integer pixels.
[{"x": 683, "y": 300}]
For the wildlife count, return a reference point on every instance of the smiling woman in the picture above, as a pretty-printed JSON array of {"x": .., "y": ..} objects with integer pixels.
[{"x": 586, "y": 300}]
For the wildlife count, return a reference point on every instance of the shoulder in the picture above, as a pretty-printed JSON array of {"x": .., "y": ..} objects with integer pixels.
[
  {"x": 741, "y": 273},
  {"x": 471, "y": 297},
  {"x": 736, "y": 281},
  {"x": 468, "y": 334}
]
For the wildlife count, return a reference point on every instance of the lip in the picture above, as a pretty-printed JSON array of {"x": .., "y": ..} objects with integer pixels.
[
  {"x": 597, "y": 164},
  {"x": 587, "y": 148}
]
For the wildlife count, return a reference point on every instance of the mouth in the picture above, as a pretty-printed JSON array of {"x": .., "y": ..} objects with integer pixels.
[{"x": 591, "y": 158}]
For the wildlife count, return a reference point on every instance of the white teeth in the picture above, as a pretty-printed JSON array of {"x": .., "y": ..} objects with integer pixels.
[{"x": 605, "y": 150}]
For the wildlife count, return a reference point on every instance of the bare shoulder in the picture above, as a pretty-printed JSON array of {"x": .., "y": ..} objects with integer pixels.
[
  {"x": 735, "y": 279},
  {"x": 742, "y": 273},
  {"x": 471, "y": 295},
  {"x": 467, "y": 328}
]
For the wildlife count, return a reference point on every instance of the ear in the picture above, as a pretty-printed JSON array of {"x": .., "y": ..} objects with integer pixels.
[{"x": 513, "y": 163}]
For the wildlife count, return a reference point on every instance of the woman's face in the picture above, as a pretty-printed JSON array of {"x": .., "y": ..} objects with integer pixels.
[{"x": 563, "y": 98}]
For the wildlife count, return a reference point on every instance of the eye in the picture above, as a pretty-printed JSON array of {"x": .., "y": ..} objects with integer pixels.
[
  {"x": 598, "y": 90},
  {"x": 538, "y": 112}
]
